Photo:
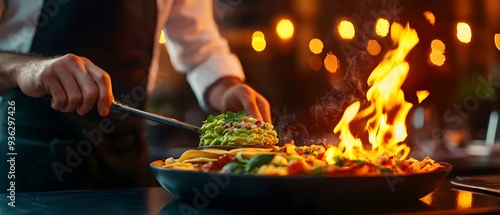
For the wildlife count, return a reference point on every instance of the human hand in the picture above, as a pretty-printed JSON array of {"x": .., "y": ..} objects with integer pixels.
[
  {"x": 233, "y": 95},
  {"x": 74, "y": 83}
]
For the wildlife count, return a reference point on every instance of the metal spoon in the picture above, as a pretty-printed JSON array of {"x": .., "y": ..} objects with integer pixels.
[{"x": 154, "y": 117}]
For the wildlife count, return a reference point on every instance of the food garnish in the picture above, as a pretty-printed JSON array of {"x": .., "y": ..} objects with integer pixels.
[{"x": 236, "y": 129}]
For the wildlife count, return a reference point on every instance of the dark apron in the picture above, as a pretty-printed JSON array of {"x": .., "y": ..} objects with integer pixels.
[{"x": 57, "y": 151}]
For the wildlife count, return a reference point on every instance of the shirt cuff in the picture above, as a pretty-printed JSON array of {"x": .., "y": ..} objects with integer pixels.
[{"x": 211, "y": 70}]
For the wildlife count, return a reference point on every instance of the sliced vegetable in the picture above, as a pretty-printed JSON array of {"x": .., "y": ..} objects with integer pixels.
[
  {"x": 258, "y": 161},
  {"x": 239, "y": 157},
  {"x": 233, "y": 167},
  {"x": 339, "y": 160},
  {"x": 319, "y": 170}
]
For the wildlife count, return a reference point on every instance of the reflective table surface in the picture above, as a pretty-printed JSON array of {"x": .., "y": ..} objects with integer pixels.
[{"x": 447, "y": 199}]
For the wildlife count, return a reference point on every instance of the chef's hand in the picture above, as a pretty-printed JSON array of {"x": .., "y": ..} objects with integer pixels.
[
  {"x": 231, "y": 94},
  {"x": 73, "y": 82}
]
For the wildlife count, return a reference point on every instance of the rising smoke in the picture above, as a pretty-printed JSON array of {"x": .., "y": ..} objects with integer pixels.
[{"x": 355, "y": 67}]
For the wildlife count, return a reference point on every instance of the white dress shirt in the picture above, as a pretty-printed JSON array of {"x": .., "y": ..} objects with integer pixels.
[{"x": 194, "y": 43}]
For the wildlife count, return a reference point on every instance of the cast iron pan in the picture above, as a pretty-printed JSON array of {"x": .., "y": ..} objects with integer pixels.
[{"x": 231, "y": 189}]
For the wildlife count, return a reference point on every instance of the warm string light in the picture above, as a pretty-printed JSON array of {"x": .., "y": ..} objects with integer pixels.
[
  {"x": 257, "y": 34},
  {"x": 436, "y": 56},
  {"x": 346, "y": 30},
  {"x": 316, "y": 46},
  {"x": 497, "y": 41},
  {"x": 438, "y": 45},
  {"x": 258, "y": 41},
  {"x": 373, "y": 47},
  {"x": 464, "y": 33},
  {"x": 331, "y": 62},
  {"x": 382, "y": 27},
  {"x": 430, "y": 17},
  {"x": 285, "y": 29}
]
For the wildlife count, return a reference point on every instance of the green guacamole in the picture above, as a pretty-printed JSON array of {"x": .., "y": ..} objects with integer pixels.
[{"x": 232, "y": 129}]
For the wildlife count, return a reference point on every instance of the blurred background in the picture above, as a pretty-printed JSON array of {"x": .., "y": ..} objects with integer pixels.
[{"x": 311, "y": 59}]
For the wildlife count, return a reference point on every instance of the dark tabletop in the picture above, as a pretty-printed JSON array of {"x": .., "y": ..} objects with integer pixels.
[{"x": 447, "y": 199}]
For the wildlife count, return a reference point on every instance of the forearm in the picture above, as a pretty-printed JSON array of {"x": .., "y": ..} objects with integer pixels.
[{"x": 11, "y": 65}]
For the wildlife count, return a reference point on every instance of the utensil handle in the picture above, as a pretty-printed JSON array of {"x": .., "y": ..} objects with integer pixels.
[{"x": 155, "y": 117}]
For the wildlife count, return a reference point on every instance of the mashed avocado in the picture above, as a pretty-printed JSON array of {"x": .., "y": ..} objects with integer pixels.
[{"x": 231, "y": 129}]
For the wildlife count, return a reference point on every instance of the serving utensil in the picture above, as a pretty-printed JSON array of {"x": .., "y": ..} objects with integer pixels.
[
  {"x": 489, "y": 183},
  {"x": 155, "y": 117}
]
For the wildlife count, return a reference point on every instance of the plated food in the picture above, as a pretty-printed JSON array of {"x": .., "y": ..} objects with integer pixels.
[
  {"x": 291, "y": 159},
  {"x": 258, "y": 154}
]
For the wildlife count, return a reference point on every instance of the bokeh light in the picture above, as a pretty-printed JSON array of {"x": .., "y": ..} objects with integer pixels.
[
  {"x": 497, "y": 41},
  {"x": 257, "y": 34},
  {"x": 346, "y": 30},
  {"x": 373, "y": 47},
  {"x": 315, "y": 62},
  {"x": 430, "y": 17},
  {"x": 437, "y": 58},
  {"x": 331, "y": 62},
  {"x": 285, "y": 29},
  {"x": 464, "y": 33},
  {"x": 258, "y": 41},
  {"x": 438, "y": 45},
  {"x": 382, "y": 27},
  {"x": 316, "y": 46}
]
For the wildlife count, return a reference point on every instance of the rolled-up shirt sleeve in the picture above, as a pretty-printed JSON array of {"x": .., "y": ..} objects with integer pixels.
[
  {"x": 18, "y": 21},
  {"x": 196, "y": 47}
]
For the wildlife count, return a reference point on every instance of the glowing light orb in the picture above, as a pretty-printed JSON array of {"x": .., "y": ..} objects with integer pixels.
[
  {"x": 285, "y": 29},
  {"x": 382, "y": 27},
  {"x": 464, "y": 33},
  {"x": 316, "y": 46},
  {"x": 346, "y": 30}
]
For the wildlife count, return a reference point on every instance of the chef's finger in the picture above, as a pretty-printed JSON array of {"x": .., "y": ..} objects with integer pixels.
[
  {"x": 59, "y": 97},
  {"x": 103, "y": 82},
  {"x": 249, "y": 104},
  {"x": 73, "y": 92},
  {"x": 264, "y": 108},
  {"x": 89, "y": 91}
]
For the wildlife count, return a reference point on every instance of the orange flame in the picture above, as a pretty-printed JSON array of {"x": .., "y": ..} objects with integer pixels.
[
  {"x": 385, "y": 116},
  {"x": 421, "y": 95}
]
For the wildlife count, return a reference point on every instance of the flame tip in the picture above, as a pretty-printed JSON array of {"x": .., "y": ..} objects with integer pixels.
[{"x": 386, "y": 135}]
